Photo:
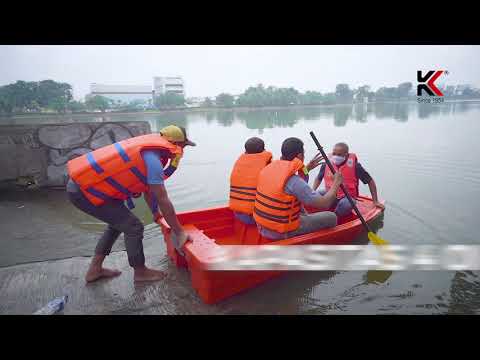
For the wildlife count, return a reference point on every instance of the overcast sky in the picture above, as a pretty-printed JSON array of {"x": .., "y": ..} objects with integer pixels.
[{"x": 210, "y": 70}]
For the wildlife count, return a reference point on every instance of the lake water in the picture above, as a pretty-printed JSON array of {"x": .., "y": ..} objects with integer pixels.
[{"x": 422, "y": 157}]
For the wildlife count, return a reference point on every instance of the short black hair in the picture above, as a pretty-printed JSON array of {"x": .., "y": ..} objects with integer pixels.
[
  {"x": 291, "y": 147},
  {"x": 342, "y": 144},
  {"x": 254, "y": 145}
]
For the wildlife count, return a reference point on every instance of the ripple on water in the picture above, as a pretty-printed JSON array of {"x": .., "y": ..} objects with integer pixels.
[{"x": 436, "y": 167}]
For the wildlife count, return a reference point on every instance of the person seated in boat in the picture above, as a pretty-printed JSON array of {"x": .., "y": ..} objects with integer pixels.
[
  {"x": 281, "y": 193},
  {"x": 347, "y": 163},
  {"x": 244, "y": 176}
]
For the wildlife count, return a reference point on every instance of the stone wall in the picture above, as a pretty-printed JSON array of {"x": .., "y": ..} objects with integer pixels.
[{"x": 40, "y": 152}]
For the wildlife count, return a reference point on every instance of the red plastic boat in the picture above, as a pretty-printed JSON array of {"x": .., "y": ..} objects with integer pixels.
[{"x": 214, "y": 227}]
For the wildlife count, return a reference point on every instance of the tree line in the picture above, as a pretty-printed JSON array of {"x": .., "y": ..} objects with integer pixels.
[
  {"x": 33, "y": 96},
  {"x": 48, "y": 95},
  {"x": 260, "y": 96}
]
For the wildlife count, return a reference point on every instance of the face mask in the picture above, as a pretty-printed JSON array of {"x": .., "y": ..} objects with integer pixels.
[{"x": 338, "y": 159}]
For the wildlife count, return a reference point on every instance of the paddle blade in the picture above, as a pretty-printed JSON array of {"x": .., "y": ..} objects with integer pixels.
[
  {"x": 378, "y": 276},
  {"x": 377, "y": 240}
]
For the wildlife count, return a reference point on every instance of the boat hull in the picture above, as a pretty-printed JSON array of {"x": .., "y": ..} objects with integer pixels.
[{"x": 212, "y": 228}]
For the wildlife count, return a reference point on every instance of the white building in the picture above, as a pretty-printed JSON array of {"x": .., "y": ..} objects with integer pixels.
[
  {"x": 459, "y": 89},
  {"x": 164, "y": 84},
  {"x": 123, "y": 93},
  {"x": 195, "y": 101}
]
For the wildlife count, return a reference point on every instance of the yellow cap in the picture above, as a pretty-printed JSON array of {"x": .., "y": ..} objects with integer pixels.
[{"x": 177, "y": 134}]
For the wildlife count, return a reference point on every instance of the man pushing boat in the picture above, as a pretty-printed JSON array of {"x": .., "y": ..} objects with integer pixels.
[
  {"x": 281, "y": 192},
  {"x": 102, "y": 181}
]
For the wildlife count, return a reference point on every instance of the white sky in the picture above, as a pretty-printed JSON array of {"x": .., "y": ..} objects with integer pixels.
[{"x": 210, "y": 70}]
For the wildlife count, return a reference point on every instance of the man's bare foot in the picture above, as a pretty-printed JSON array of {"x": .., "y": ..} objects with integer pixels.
[
  {"x": 146, "y": 274},
  {"x": 95, "y": 273}
]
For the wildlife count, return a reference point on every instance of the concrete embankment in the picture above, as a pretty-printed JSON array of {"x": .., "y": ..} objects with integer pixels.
[{"x": 39, "y": 153}]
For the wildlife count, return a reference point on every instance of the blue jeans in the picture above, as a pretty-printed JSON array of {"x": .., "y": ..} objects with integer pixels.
[
  {"x": 342, "y": 206},
  {"x": 246, "y": 219}
]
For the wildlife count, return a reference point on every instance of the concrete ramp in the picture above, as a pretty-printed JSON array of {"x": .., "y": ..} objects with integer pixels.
[{"x": 28, "y": 287}]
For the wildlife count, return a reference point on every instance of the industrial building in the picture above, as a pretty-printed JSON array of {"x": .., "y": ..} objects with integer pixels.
[
  {"x": 124, "y": 94},
  {"x": 162, "y": 85}
]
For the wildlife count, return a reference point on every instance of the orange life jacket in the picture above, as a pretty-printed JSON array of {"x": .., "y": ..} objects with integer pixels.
[
  {"x": 117, "y": 171},
  {"x": 350, "y": 180},
  {"x": 243, "y": 180},
  {"x": 274, "y": 209}
]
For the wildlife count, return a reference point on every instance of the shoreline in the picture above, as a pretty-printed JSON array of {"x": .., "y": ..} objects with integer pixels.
[{"x": 216, "y": 109}]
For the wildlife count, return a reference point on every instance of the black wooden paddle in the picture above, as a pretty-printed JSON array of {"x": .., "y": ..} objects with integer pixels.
[{"x": 371, "y": 235}]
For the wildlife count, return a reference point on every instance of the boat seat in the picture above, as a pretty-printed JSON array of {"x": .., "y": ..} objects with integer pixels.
[{"x": 248, "y": 234}]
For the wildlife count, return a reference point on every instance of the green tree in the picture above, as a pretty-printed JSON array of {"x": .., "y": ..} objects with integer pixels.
[
  {"x": 6, "y": 100},
  {"x": 362, "y": 92},
  {"x": 25, "y": 95},
  {"x": 58, "y": 104},
  {"x": 98, "y": 102},
  {"x": 285, "y": 97},
  {"x": 272, "y": 96},
  {"x": 343, "y": 93},
  {"x": 32, "y": 96},
  {"x": 403, "y": 90},
  {"x": 76, "y": 106},
  {"x": 225, "y": 100},
  {"x": 253, "y": 97},
  {"x": 50, "y": 92},
  {"x": 311, "y": 98},
  {"x": 20, "y": 96},
  {"x": 386, "y": 93},
  {"x": 329, "y": 99},
  {"x": 136, "y": 105},
  {"x": 169, "y": 100}
]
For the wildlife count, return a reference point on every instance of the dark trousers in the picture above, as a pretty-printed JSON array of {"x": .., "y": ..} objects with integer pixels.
[{"x": 119, "y": 219}]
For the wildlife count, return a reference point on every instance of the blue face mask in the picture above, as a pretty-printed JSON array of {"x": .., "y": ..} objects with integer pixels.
[{"x": 337, "y": 160}]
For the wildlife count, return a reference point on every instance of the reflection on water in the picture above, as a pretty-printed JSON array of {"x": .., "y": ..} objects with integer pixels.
[
  {"x": 465, "y": 293},
  {"x": 225, "y": 118},
  {"x": 268, "y": 118},
  {"x": 265, "y": 118},
  {"x": 341, "y": 115}
]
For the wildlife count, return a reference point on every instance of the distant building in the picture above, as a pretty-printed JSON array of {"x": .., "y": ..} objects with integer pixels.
[
  {"x": 165, "y": 84},
  {"x": 460, "y": 89},
  {"x": 194, "y": 102},
  {"x": 123, "y": 93}
]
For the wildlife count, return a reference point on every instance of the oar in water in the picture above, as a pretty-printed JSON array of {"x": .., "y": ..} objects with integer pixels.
[{"x": 374, "y": 238}]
